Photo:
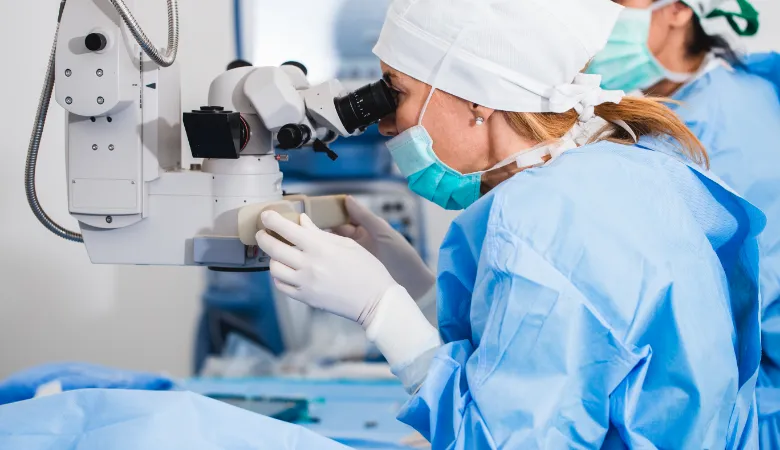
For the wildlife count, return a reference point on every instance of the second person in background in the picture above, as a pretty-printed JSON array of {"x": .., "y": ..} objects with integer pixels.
[{"x": 732, "y": 104}]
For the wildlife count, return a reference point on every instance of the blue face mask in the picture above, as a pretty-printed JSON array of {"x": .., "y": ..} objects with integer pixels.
[
  {"x": 626, "y": 63},
  {"x": 427, "y": 175}
]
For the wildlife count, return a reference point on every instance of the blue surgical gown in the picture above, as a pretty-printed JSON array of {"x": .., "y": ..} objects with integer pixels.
[
  {"x": 606, "y": 300},
  {"x": 736, "y": 115}
]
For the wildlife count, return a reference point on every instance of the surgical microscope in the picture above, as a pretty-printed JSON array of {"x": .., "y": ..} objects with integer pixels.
[{"x": 133, "y": 200}]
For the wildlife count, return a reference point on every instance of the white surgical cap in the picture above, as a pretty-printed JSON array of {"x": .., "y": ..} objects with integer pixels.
[
  {"x": 705, "y": 7},
  {"x": 509, "y": 55}
]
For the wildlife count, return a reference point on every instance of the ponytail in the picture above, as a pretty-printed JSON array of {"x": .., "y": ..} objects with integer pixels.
[
  {"x": 645, "y": 117},
  {"x": 651, "y": 117}
]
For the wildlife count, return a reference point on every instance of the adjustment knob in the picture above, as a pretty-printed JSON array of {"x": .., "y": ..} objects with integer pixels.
[
  {"x": 293, "y": 136},
  {"x": 238, "y": 63},
  {"x": 298, "y": 65},
  {"x": 95, "y": 42}
]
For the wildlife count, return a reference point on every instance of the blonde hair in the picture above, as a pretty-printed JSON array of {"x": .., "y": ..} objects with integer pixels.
[{"x": 646, "y": 117}]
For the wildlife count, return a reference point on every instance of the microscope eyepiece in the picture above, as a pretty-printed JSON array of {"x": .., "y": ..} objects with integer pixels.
[{"x": 366, "y": 105}]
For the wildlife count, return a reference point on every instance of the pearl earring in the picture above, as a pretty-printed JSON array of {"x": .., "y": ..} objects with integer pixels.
[{"x": 480, "y": 121}]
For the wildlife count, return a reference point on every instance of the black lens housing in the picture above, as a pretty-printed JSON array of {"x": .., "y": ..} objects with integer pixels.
[
  {"x": 293, "y": 136},
  {"x": 365, "y": 106},
  {"x": 215, "y": 133}
]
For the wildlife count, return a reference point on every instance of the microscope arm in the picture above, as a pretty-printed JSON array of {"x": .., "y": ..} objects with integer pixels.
[{"x": 134, "y": 201}]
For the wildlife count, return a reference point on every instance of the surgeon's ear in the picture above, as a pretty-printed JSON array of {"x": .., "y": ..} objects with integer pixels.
[
  {"x": 481, "y": 112},
  {"x": 680, "y": 15}
]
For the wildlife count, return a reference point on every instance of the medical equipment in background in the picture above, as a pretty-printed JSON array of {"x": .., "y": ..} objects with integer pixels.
[
  {"x": 134, "y": 202},
  {"x": 285, "y": 409},
  {"x": 247, "y": 304}
]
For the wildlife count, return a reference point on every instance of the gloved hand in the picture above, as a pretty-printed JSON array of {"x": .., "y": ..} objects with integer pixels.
[
  {"x": 390, "y": 247},
  {"x": 338, "y": 275},
  {"x": 324, "y": 270}
]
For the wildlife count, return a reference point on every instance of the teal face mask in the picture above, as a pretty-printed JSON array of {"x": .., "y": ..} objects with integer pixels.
[
  {"x": 626, "y": 63},
  {"x": 427, "y": 175}
]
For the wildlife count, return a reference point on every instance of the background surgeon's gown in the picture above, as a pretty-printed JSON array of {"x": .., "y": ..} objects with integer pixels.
[
  {"x": 736, "y": 114},
  {"x": 587, "y": 304}
]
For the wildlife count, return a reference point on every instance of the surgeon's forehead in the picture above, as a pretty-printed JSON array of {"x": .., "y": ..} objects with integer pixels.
[
  {"x": 399, "y": 79},
  {"x": 387, "y": 70},
  {"x": 392, "y": 76},
  {"x": 642, "y": 4}
]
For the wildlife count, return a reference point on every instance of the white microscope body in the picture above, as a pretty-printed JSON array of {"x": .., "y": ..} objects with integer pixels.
[{"x": 134, "y": 202}]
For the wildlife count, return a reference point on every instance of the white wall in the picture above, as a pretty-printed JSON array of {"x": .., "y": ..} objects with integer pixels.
[
  {"x": 768, "y": 37},
  {"x": 55, "y": 305},
  {"x": 271, "y": 25}
]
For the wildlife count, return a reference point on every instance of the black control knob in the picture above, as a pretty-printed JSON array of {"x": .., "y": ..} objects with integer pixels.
[
  {"x": 95, "y": 42},
  {"x": 298, "y": 65},
  {"x": 293, "y": 136},
  {"x": 238, "y": 63}
]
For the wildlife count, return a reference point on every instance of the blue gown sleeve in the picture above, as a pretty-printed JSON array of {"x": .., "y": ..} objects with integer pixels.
[{"x": 541, "y": 373}]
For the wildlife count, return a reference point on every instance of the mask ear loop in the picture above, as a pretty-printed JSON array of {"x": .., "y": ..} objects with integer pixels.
[
  {"x": 441, "y": 69},
  {"x": 425, "y": 105}
]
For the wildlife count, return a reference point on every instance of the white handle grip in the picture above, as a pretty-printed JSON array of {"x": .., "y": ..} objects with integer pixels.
[{"x": 326, "y": 212}]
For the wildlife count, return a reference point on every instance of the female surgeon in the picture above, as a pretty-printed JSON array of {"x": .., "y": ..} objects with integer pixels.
[
  {"x": 733, "y": 106},
  {"x": 585, "y": 292}
]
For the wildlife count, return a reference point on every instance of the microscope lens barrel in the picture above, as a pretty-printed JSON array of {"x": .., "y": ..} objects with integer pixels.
[{"x": 365, "y": 106}]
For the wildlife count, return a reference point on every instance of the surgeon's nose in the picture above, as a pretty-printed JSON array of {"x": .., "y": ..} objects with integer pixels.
[{"x": 388, "y": 127}]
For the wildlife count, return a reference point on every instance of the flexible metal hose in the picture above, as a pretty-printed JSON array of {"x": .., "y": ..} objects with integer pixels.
[
  {"x": 163, "y": 60},
  {"x": 35, "y": 142}
]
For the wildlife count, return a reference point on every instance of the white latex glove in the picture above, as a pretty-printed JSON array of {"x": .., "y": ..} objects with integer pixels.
[
  {"x": 338, "y": 275},
  {"x": 324, "y": 270},
  {"x": 390, "y": 247}
]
